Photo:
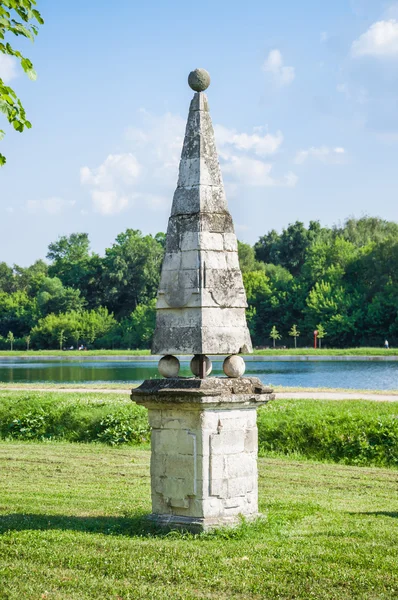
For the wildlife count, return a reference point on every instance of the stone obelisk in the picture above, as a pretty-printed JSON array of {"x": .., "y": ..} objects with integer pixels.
[
  {"x": 201, "y": 300},
  {"x": 204, "y": 433}
]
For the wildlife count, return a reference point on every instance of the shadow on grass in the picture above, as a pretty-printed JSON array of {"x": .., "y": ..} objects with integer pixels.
[
  {"x": 377, "y": 513},
  {"x": 136, "y": 525},
  {"x": 133, "y": 526}
]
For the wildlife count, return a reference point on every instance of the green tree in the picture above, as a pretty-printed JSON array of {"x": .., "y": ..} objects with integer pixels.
[
  {"x": 30, "y": 279},
  {"x": 61, "y": 338},
  {"x": 247, "y": 258},
  {"x": 11, "y": 339},
  {"x": 18, "y": 313},
  {"x": 363, "y": 231},
  {"x": 7, "y": 279},
  {"x": 274, "y": 334},
  {"x": 294, "y": 333},
  {"x": 131, "y": 271},
  {"x": 138, "y": 329},
  {"x": 321, "y": 334},
  {"x": 289, "y": 249},
  {"x": 17, "y": 17},
  {"x": 75, "y": 326},
  {"x": 77, "y": 268},
  {"x": 53, "y": 297}
]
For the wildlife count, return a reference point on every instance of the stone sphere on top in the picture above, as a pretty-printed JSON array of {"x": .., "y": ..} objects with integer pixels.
[{"x": 199, "y": 80}]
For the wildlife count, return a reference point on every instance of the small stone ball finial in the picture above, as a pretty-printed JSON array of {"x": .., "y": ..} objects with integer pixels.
[
  {"x": 169, "y": 366},
  {"x": 234, "y": 366},
  {"x": 199, "y": 80},
  {"x": 195, "y": 365}
]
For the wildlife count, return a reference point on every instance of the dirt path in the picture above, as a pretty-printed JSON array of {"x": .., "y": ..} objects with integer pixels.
[
  {"x": 339, "y": 396},
  {"x": 293, "y": 395}
]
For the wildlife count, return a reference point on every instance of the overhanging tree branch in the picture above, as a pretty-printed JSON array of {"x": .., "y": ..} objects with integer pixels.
[{"x": 17, "y": 17}]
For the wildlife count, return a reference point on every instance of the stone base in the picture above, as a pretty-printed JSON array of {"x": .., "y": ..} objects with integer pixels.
[
  {"x": 204, "y": 449},
  {"x": 197, "y": 524}
]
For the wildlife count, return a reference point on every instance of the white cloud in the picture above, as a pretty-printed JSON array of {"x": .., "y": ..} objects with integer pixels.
[
  {"x": 158, "y": 143},
  {"x": 254, "y": 173},
  {"x": 146, "y": 176},
  {"x": 274, "y": 65},
  {"x": 380, "y": 40},
  {"x": 240, "y": 156},
  {"x": 261, "y": 145},
  {"x": 52, "y": 206},
  {"x": 323, "y": 154},
  {"x": 108, "y": 182},
  {"x": 8, "y": 68},
  {"x": 108, "y": 202}
]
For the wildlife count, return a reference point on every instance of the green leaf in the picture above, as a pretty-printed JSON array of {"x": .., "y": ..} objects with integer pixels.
[
  {"x": 38, "y": 17},
  {"x": 2, "y": 160},
  {"x": 31, "y": 73},
  {"x": 18, "y": 126}
]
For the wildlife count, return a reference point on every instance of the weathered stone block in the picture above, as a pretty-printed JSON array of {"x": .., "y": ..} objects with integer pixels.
[
  {"x": 230, "y": 242},
  {"x": 225, "y": 280},
  {"x": 173, "y": 442},
  {"x": 234, "y": 338},
  {"x": 228, "y": 317},
  {"x": 244, "y": 465},
  {"x": 232, "y": 260},
  {"x": 188, "y": 279},
  {"x": 239, "y": 486},
  {"x": 251, "y": 440},
  {"x": 227, "y": 442},
  {"x": 171, "y": 262},
  {"x": 214, "y": 260}
]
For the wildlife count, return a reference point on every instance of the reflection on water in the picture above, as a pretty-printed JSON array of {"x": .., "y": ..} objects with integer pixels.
[{"x": 354, "y": 375}]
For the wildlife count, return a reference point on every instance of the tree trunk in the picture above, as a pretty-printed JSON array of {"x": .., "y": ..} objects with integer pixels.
[
  {"x": 295, "y": 342},
  {"x": 274, "y": 342},
  {"x": 320, "y": 343}
]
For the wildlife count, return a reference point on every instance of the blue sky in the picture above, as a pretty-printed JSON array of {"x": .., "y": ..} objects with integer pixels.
[{"x": 304, "y": 100}]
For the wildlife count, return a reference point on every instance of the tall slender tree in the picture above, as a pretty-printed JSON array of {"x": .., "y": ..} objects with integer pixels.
[
  {"x": 11, "y": 339},
  {"x": 274, "y": 334},
  {"x": 321, "y": 334},
  {"x": 294, "y": 333}
]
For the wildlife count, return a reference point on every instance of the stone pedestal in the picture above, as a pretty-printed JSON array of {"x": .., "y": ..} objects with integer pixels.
[{"x": 204, "y": 449}]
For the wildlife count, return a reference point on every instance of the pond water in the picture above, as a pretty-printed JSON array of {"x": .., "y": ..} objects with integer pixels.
[{"x": 351, "y": 375}]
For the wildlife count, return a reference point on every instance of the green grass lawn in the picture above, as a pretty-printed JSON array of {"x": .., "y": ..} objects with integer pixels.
[
  {"x": 269, "y": 352},
  {"x": 72, "y": 527}
]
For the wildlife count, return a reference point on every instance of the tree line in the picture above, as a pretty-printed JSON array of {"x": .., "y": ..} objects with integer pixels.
[{"x": 342, "y": 281}]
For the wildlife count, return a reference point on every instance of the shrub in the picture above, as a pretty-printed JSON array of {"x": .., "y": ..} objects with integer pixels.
[
  {"x": 350, "y": 432},
  {"x": 72, "y": 417}
]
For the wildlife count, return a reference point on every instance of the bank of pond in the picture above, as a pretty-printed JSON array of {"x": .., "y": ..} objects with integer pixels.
[{"x": 354, "y": 432}]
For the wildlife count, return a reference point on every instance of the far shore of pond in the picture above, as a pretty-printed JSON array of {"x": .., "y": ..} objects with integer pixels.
[{"x": 302, "y": 354}]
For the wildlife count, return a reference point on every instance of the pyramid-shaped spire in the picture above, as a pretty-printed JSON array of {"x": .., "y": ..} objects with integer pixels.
[{"x": 201, "y": 299}]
